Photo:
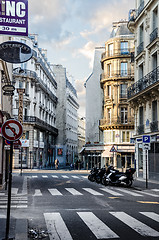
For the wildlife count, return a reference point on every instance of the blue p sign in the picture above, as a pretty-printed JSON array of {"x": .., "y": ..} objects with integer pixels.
[{"x": 146, "y": 139}]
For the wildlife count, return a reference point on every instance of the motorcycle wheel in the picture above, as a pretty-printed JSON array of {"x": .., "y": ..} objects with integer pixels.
[
  {"x": 104, "y": 182},
  {"x": 129, "y": 183},
  {"x": 98, "y": 180}
]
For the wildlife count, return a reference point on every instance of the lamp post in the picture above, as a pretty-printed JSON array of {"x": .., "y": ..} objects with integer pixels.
[{"x": 30, "y": 159}]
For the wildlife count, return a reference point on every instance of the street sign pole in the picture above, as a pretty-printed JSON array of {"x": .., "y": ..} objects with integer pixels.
[
  {"x": 146, "y": 169},
  {"x": 9, "y": 191}
]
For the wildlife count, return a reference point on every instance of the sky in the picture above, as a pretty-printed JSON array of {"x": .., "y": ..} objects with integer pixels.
[{"x": 71, "y": 29}]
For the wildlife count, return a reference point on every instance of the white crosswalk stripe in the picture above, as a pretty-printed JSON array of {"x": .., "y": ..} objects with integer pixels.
[
  {"x": 93, "y": 192},
  {"x": 55, "y": 192},
  {"x": 44, "y": 176},
  {"x": 151, "y": 215},
  {"x": 73, "y": 191},
  {"x": 17, "y": 201},
  {"x": 14, "y": 191},
  {"x": 64, "y": 176},
  {"x": 55, "y": 176},
  {"x": 130, "y": 192},
  {"x": 156, "y": 190},
  {"x": 56, "y": 227},
  {"x": 74, "y": 177},
  {"x": 34, "y": 176},
  {"x": 136, "y": 225},
  {"x": 150, "y": 194},
  {"x": 111, "y": 192},
  {"x": 37, "y": 192},
  {"x": 99, "y": 229}
]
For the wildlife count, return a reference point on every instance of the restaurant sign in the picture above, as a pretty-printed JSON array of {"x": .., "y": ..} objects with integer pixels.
[{"x": 14, "y": 17}]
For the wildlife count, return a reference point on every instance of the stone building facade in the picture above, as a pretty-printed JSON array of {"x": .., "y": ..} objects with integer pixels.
[
  {"x": 36, "y": 80},
  {"x": 67, "y": 118},
  {"x": 143, "y": 95},
  {"x": 118, "y": 121}
]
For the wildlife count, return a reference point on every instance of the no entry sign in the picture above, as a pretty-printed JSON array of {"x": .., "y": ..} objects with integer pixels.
[{"x": 12, "y": 130}]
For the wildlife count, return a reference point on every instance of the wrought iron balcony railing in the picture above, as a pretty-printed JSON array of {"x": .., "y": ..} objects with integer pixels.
[
  {"x": 143, "y": 83},
  {"x": 117, "y": 74},
  {"x": 154, "y": 35},
  {"x": 39, "y": 122},
  {"x": 134, "y": 13},
  {"x": 154, "y": 126},
  {"x": 117, "y": 121},
  {"x": 117, "y": 52}
]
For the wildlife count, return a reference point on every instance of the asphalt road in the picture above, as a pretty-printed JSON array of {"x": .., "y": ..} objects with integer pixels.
[{"x": 67, "y": 206}]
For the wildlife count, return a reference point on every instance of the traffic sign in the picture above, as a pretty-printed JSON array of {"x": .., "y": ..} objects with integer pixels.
[
  {"x": 113, "y": 149},
  {"x": 146, "y": 139},
  {"x": 12, "y": 130},
  {"x": 146, "y": 146}
]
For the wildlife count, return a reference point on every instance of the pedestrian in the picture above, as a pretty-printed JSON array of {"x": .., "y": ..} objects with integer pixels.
[{"x": 56, "y": 163}]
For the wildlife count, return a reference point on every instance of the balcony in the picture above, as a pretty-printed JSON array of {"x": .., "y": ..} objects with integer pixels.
[
  {"x": 154, "y": 35},
  {"x": 117, "y": 53},
  {"x": 40, "y": 123},
  {"x": 154, "y": 126},
  {"x": 144, "y": 83},
  {"x": 140, "y": 130},
  {"x": 134, "y": 13},
  {"x": 117, "y": 74},
  {"x": 140, "y": 48},
  {"x": 117, "y": 123}
]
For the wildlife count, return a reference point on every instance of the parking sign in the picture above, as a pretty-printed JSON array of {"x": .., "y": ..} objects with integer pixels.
[{"x": 146, "y": 139}]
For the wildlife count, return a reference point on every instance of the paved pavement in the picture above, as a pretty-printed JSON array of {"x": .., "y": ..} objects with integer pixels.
[{"x": 19, "y": 227}]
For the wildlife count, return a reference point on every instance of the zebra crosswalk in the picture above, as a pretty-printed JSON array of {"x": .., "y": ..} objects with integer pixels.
[
  {"x": 59, "y": 176},
  {"x": 17, "y": 201},
  {"x": 104, "y": 191},
  {"x": 58, "y": 229}
]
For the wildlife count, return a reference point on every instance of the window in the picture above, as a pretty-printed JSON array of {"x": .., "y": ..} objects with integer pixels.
[
  {"x": 109, "y": 70},
  {"x": 113, "y": 136},
  {"x": 154, "y": 61},
  {"x": 124, "y": 67},
  {"x": 35, "y": 135},
  {"x": 125, "y": 136},
  {"x": 109, "y": 114},
  {"x": 141, "y": 116},
  {"x": 123, "y": 91},
  {"x": 41, "y": 137},
  {"x": 109, "y": 91},
  {"x": 124, "y": 115},
  {"x": 141, "y": 71},
  {"x": 155, "y": 19},
  {"x": 141, "y": 33},
  {"x": 110, "y": 49},
  {"x": 124, "y": 47},
  {"x": 154, "y": 111}
]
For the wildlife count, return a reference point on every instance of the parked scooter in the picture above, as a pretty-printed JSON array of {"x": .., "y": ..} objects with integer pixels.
[
  {"x": 100, "y": 174},
  {"x": 114, "y": 177},
  {"x": 93, "y": 174}
]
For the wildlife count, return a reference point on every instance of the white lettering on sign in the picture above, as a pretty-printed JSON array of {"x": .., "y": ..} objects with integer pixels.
[{"x": 13, "y": 9}]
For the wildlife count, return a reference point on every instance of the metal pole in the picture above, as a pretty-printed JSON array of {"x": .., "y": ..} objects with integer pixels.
[
  {"x": 146, "y": 169},
  {"x": 9, "y": 192},
  {"x": 21, "y": 163}
]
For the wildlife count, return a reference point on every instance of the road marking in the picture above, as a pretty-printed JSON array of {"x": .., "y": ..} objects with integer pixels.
[
  {"x": 85, "y": 176},
  {"x": 93, "y": 192},
  {"x": 44, "y": 176},
  {"x": 2, "y": 194},
  {"x": 15, "y": 191},
  {"x": 151, "y": 215},
  {"x": 64, "y": 176},
  {"x": 37, "y": 192},
  {"x": 54, "y": 192},
  {"x": 148, "y": 202},
  {"x": 99, "y": 229},
  {"x": 73, "y": 191},
  {"x": 150, "y": 194},
  {"x": 131, "y": 193},
  {"x": 111, "y": 192},
  {"x": 74, "y": 176},
  {"x": 34, "y": 176},
  {"x": 136, "y": 225},
  {"x": 54, "y": 176},
  {"x": 156, "y": 190},
  {"x": 2, "y": 216},
  {"x": 56, "y": 227}
]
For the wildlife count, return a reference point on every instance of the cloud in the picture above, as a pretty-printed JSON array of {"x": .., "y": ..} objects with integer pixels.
[{"x": 88, "y": 51}]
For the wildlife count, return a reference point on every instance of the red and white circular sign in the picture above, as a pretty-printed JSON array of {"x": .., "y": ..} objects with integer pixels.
[{"x": 12, "y": 130}]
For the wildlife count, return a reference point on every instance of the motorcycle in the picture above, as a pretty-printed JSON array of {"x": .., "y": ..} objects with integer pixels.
[
  {"x": 93, "y": 173},
  {"x": 114, "y": 177},
  {"x": 100, "y": 175}
]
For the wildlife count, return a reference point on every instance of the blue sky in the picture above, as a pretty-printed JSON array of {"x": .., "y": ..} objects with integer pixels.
[{"x": 71, "y": 29}]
